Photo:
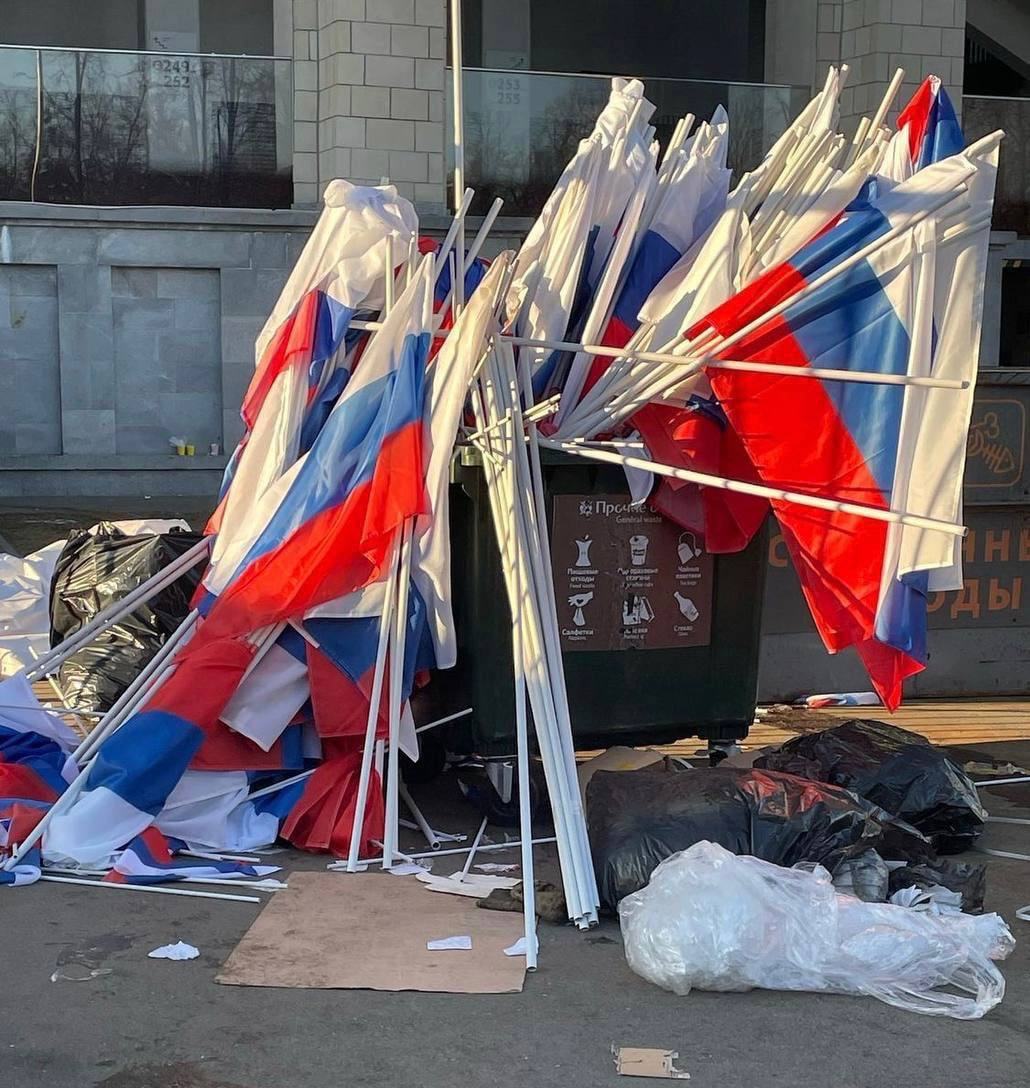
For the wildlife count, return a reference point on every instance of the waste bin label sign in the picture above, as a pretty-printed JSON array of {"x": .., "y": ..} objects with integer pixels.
[{"x": 625, "y": 577}]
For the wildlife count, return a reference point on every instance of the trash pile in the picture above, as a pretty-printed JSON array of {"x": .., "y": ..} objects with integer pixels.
[
  {"x": 649, "y": 320},
  {"x": 894, "y": 768},
  {"x": 638, "y": 819},
  {"x": 709, "y": 920},
  {"x": 25, "y": 593},
  {"x": 872, "y": 803},
  {"x": 97, "y": 568},
  {"x": 728, "y": 878}
]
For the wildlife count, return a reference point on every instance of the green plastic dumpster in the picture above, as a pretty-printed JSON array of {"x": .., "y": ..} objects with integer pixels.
[{"x": 659, "y": 639}]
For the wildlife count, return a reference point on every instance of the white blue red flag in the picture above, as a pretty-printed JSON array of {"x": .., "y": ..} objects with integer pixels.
[
  {"x": 149, "y": 859},
  {"x": 304, "y": 355},
  {"x": 326, "y": 527},
  {"x": 841, "y": 439}
]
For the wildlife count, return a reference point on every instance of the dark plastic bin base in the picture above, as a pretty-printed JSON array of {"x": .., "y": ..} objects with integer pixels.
[{"x": 616, "y": 696}]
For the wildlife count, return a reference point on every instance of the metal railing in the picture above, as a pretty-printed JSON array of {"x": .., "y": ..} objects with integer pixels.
[
  {"x": 981, "y": 115},
  {"x": 105, "y": 127},
  {"x": 522, "y": 127}
]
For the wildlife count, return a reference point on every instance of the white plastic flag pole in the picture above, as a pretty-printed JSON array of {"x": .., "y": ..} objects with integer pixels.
[
  {"x": 504, "y": 493},
  {"x": 440, "y": 258},
  {"x": 525, "y": 797},
  {"x": 885, "y": 104},
  {"x": 375, "y": 702},
  {"x": 154, "y": 888},
  {"x": 501, "y": 492},
  {"x": 458, "y": 105},
  {"x": 396, "y": 695},
  {"x": 431, "y": 837},
  {"x": 138, "y": 690},
  {"x": 489, "y": 847},
  {"x": 390, "y": 284},
  {"x": 534, "y": 497},
  {"x": 534, "y": 599},
  {"x": 484, "y": 230},
  {"x": 744, "y": 488},
  {"x": 872, "y": 377},
  {"x": 507, "y": 500},
  {"x": 472, "y": 850},
  {"x": 118, "y": 609},
  {"x": 858, "y": 144}
]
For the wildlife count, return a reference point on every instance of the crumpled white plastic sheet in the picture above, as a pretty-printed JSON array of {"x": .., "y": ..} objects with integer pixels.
[
  {"x": 709, "y": 920},
  {"x": 25, "y": 606}
]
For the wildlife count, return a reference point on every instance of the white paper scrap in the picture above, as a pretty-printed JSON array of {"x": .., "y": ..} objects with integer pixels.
[
  {"x": 178, "y": 951},
  {"x": 495, "y": 867},
  {"x": 407, "y": 868},
  {"x": 446, "y": 943},
  {"x": 517, "y": 949}
]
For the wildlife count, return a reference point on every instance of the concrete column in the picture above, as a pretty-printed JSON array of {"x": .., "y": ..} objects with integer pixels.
[
  {"x": 282, "y": 46},
  {"x": 305, "y": 102},
  {"x": 875, "y": 37},
  {"x": 377, "y": 81}
]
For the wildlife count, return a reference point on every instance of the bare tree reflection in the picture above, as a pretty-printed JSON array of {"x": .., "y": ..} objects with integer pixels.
[{"x": 133, "y": 129}]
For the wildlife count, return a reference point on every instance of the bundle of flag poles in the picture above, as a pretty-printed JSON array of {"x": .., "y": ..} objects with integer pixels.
[{"x": 804, "y": 342}]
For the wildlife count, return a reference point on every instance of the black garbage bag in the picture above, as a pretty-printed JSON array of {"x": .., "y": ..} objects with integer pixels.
[
  {"x": 94, "y": 570},
  {"x": 966, "y": 878},
  {"x": 637, "y": 819},
  {"x": 894, "y": 768}
]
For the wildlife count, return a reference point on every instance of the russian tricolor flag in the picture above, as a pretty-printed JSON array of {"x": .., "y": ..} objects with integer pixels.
[
  {"x": 840, "y": 439},
  {"x": 327, "y": 527},
  {"x": 303, "y": 355},
  {"x": 930, "y": 125},
  {"x": 149, "y": 859}
]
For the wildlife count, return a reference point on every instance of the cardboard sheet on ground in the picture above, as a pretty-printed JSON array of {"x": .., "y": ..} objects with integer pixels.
[{"x": 369, "y": 931}]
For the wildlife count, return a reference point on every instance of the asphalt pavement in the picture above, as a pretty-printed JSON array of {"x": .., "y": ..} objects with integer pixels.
[{"x": 122, "y": 1020}]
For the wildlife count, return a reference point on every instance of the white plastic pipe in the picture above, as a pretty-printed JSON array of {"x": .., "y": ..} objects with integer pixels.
[
  {"x": 472, "y": 851},
  {"x": 431, "y": 837},
  {"x": 490, "y": 847},
  {"x": 744, "y": 488},
  {"x": 118, "y": 609},
  {"x": 154, "y": 888},
  {"x": 396, "y": 693},
  {"x": 501, "y": 493},
  {"x": 525, "y": 799},
  {"x": 534, "y": 599},
  {"x": 375, "y": 702}
]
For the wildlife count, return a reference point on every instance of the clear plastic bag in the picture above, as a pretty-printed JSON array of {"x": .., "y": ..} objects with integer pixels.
[{"x": 710, "y": 920}]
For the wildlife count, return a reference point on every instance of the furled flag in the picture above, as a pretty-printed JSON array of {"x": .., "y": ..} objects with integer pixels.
[
  {"x": 841, "y": 440},
  {"x": 327, "y": 526},
  {"x": 35, "y": 768},
  {"x": 688, "y": 204},
  {"x": 330, "y": 531},
  {"x": 341, "y": 270},
  {"x": 34, "y": 772},
  {"x": 344, "y": 634},
  {"x": 929, "y": 125},
  {"x": 149, "y": 859}
]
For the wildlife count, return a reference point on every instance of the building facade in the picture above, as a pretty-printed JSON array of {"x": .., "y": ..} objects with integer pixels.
[{"x": 163, "y": 161}]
